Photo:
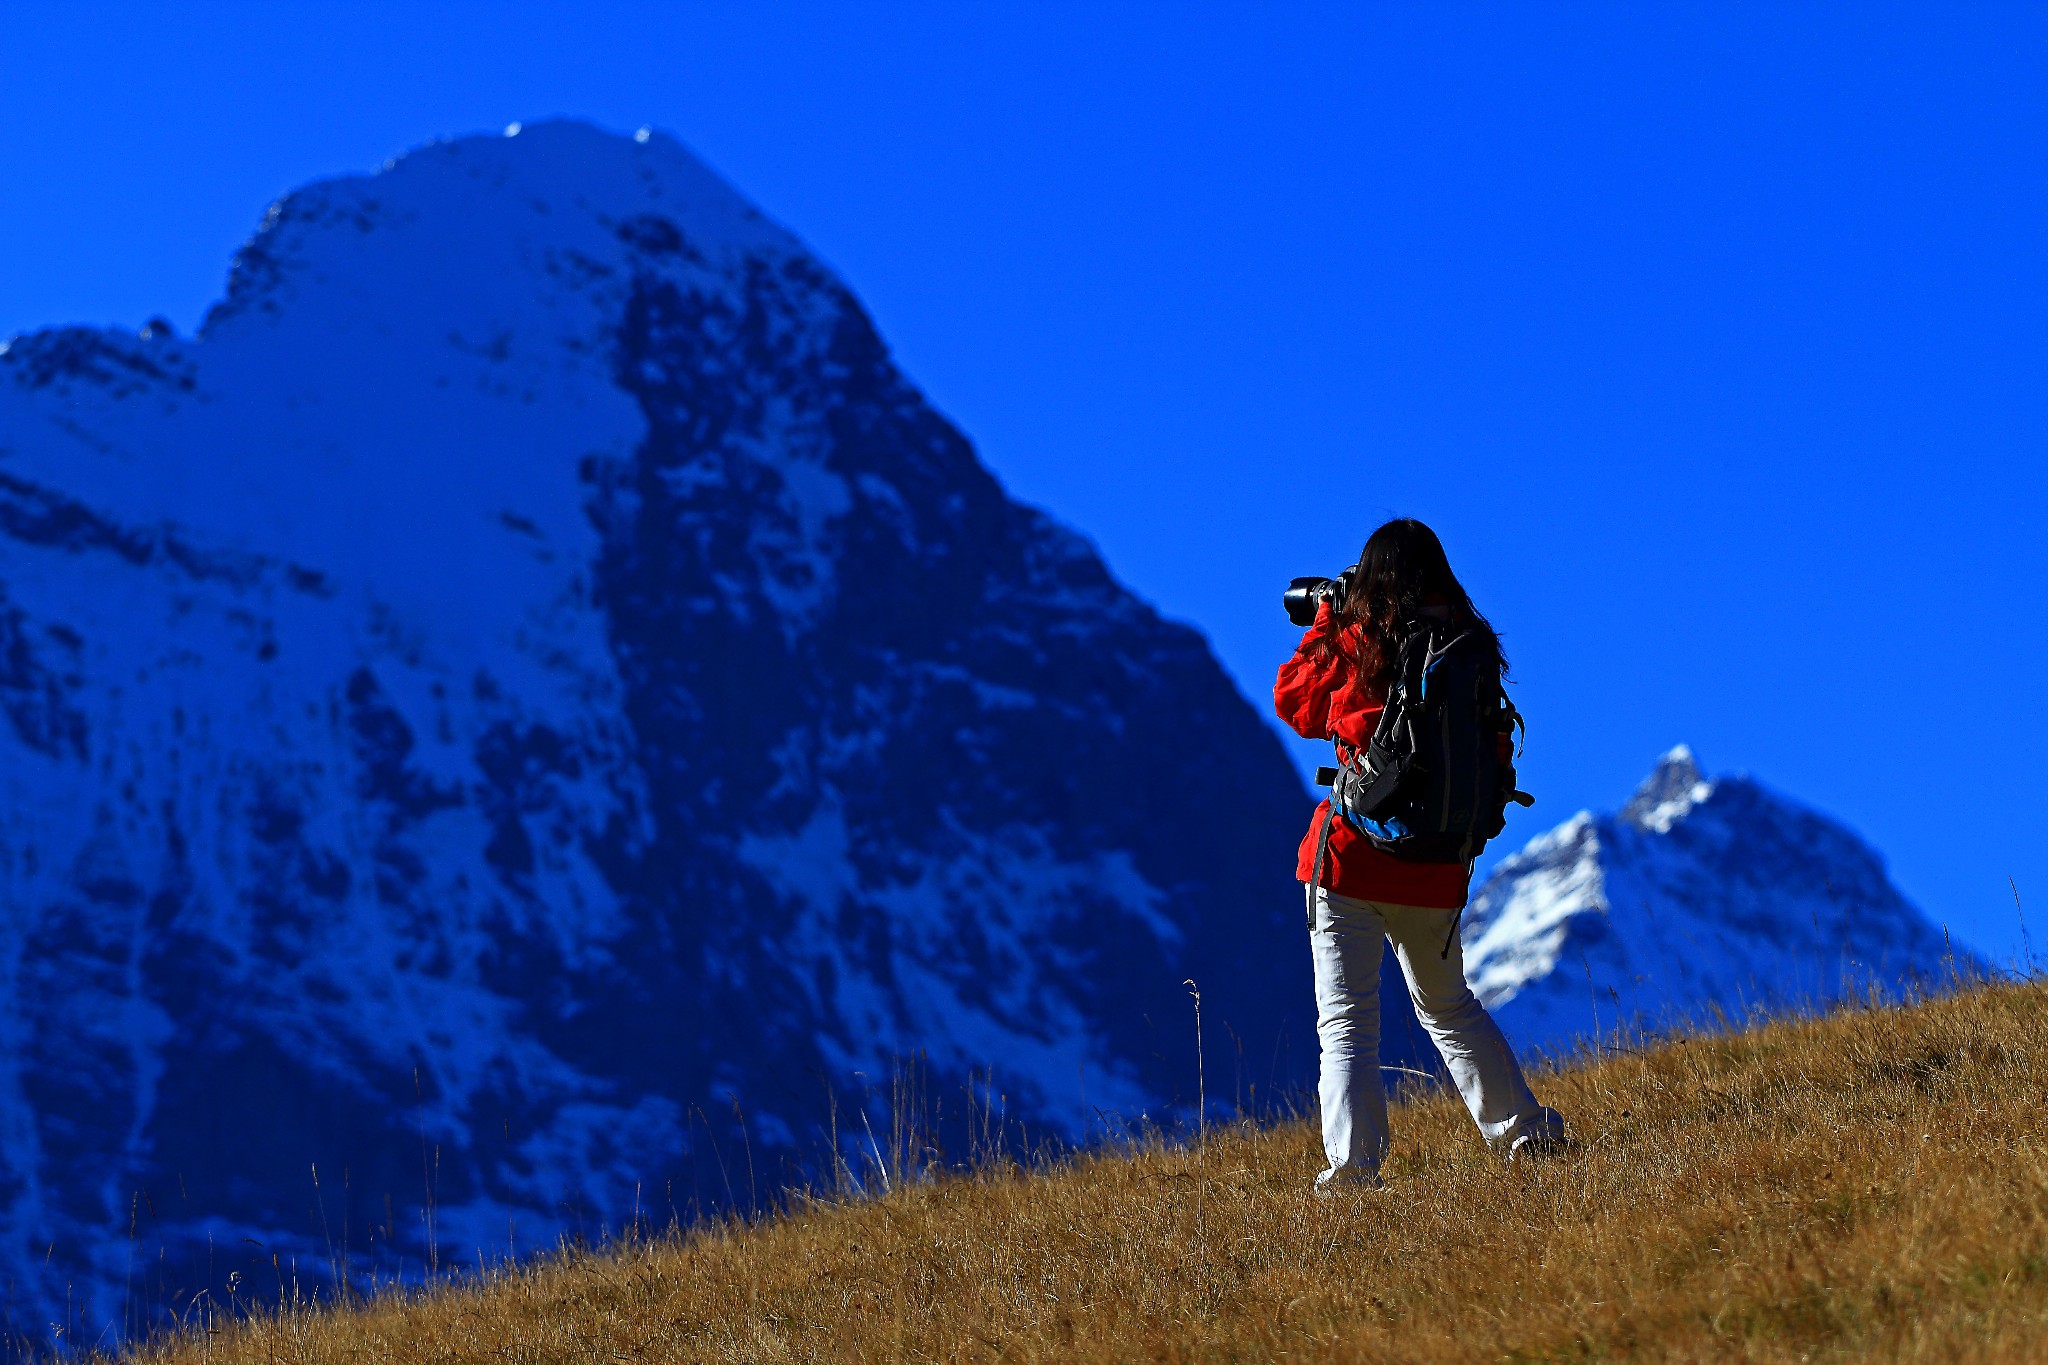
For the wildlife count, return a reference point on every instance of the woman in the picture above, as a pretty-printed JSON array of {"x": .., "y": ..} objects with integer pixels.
[{"x": 1334, "y": 688}]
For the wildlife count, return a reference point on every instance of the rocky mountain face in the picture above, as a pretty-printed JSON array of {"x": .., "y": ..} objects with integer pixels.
[
  {"x": 1700, "y": 895},
  {"x": 528, "y": 719}
]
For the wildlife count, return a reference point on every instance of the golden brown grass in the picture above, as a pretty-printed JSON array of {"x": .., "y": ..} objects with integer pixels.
[{"x": 1872, "y": 1184}]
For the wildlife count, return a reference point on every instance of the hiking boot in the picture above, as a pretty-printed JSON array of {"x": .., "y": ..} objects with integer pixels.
[
  {"x": 1334, "y": 1184},
  {"x": 1543, "y": 1136},
  {"x": 1539, "y": 1146}
]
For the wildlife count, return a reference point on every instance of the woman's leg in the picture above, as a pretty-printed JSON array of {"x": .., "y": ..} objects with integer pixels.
[
  {"x": 1481, "y": 1063},
  {"x": 1347, "y": 942}
]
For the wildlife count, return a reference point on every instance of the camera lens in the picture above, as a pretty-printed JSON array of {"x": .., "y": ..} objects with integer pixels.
[{"x": 1301, "y": 598}]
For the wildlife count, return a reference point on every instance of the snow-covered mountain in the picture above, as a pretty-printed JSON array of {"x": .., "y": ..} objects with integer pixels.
[
  {"x": 1700, "y": 894},
  {"x": 528, "y": 716}
]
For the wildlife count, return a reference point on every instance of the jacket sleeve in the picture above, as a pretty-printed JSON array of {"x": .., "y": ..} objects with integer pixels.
[{"x": 1310, "y": 680}]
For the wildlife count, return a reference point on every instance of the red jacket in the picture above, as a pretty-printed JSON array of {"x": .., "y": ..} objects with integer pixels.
[{"x": 1326, "y": 698}]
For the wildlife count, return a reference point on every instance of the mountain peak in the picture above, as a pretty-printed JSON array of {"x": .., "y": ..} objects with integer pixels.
[
  {"x": 1699, "y": 894},
  {"x": 557, "y": 203},
  {"x": 1671, "y": 790}
]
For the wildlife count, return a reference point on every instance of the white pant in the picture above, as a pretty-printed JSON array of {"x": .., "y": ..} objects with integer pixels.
[{"x": 1347, "y": 942}]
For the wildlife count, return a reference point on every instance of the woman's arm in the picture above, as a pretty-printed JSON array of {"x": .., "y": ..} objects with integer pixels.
[{"x": 1311, "y": 677}]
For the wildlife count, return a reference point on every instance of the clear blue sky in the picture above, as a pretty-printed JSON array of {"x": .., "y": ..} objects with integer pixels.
[{"x": 1712, "y": 339}]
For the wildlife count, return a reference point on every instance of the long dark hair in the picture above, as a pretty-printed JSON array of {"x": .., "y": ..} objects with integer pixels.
[{"x": 1401, "y": 570}]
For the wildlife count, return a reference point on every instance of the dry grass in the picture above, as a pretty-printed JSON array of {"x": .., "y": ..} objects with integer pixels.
[{"x": 1870, "y": 1184}]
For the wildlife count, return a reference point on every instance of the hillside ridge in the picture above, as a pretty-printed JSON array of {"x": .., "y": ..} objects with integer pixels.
[{"x": 1866, "y": 1183}]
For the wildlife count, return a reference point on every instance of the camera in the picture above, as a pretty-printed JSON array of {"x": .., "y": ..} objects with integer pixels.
[{"x": 1303, "y": 595}]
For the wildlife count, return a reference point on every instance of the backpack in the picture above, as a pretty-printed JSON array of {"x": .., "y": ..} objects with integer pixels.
[{"x": 1433, "y": 785}]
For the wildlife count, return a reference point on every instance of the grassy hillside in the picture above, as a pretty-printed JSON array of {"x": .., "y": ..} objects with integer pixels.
[{"x": 1870, "y": 1184}]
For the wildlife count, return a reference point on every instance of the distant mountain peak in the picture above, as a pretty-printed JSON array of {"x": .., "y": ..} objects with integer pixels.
[
  {"x": 1701, "y": 894},
  {"x": 1672, "y": 789}
]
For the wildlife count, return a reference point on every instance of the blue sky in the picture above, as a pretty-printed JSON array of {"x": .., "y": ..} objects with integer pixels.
[{"x": 1711, "y": 339}]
